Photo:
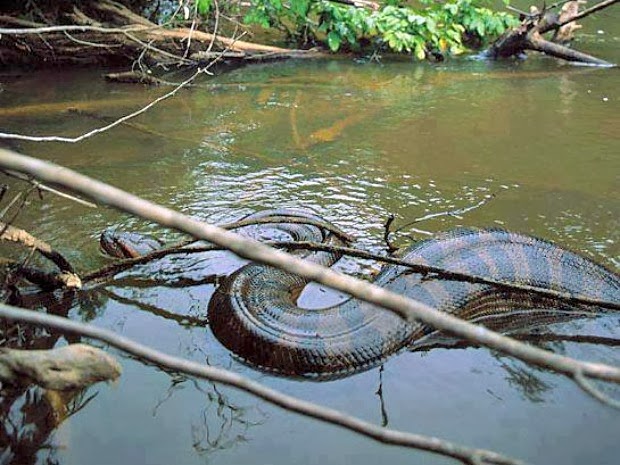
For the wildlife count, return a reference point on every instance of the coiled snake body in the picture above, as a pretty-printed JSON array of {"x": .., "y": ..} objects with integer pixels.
[
  {"x": 255, "y": 315},
  {"x": 254, "y": 311}
]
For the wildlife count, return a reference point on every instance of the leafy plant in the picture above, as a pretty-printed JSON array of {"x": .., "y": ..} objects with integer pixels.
[
  {"x": 203, "y": 6},
  {"x": 436, "y": 28}
]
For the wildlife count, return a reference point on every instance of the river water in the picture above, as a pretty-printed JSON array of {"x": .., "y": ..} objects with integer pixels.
[{"x": 355, "y": 142}]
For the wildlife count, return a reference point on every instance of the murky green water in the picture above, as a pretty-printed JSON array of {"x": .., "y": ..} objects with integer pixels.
[{"x": 355, "y": 142}]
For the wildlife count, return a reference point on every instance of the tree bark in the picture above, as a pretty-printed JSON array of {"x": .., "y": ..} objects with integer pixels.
[
  {"x": 529, "y": 34},
  {"x": 66, "y": 368}
]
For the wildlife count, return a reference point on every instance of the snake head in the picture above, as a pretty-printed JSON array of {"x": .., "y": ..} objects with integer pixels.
[{"x": 121, "y": 244}]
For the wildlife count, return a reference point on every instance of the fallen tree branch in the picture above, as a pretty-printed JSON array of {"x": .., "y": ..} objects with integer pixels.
[
  {"x": 43, "y": 279},
  {"x": 328, "y": 415},
  {"x": 538, "y": 44},
  {"x": 253, "y": 250},
  {"x": 528, "y": 35},
  {"x": 13, "y": 234},
  {"x": 145, "y": 30},
  {"x": 75, "y": 366}
]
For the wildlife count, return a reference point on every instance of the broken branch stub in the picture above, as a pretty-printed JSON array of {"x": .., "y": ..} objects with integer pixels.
[{"x": 75, "y": 366}]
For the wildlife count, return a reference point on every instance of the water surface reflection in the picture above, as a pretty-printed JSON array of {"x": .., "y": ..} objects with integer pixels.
[{"x": 355, "y": 143}]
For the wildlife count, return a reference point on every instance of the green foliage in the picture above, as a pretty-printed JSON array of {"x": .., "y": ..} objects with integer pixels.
[
  {"x": 203, "y": 6},
  {"x": 436, "y": 27}
]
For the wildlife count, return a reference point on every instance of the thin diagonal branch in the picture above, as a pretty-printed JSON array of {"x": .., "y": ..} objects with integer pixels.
[
  {"x": 429, "y": 271},
  {"x": 253, "y": 250},
  {"x": 578, "y": 16},
  {"x": 96, "y": 131},
  {"x": 51, "y": 190},
  {"x": 387, "y": 436},
  {"x": 588, "y": 387}
]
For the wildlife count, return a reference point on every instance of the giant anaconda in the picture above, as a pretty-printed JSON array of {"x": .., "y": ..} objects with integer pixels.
[
  {"x": 255, "y": 315},
  {"x": 254, "y": 312}
]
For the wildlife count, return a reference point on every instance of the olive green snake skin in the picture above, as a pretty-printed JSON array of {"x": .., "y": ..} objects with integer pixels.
[{"x": 254, "y": 312}]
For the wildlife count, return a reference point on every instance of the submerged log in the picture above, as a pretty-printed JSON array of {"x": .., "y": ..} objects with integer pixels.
[
  {"x": 529, "y": 34},
  {"x": 66, "y": 368}
]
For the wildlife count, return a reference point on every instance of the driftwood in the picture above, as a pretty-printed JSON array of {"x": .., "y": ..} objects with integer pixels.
[
  {"x": 66, "y": 277},
  {"x": 66, "y": 368},
  {"x": 13, "y": 234},
  {"x": 106, "y": 31},
  {"x": 529, "y": 35}
]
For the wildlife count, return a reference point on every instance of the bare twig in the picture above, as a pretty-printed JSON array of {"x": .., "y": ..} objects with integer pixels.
[
  {"x": 51, "y": 190},
  {"x": 453, "y": 213},
  {"x": 149, "y": 46},
  {"x": 6, "y": 209},
  {"x": 230, "y": 43},
  {"x": 69, "y": 28},
  {"x": 430, "y": 272},
  {"x": 588, "y": 387},
  {"x": 328, "y": 415},
  {"x": 525, "y": 14},
  {"x": 434, "y": 272},
  {"x": 578, "y": 16},
  {"x": 386, "y": 234},
  {"x": 253, "y": 250},
  {"x": 96, "y": 131},
  {"x": 90, "y": 44}
]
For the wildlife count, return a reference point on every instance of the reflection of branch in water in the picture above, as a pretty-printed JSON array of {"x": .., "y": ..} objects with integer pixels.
[
  {"x": 526, "y": 381},
  {"x": 222, "y": 424},
  {"x": 231, "y": 424},
  {"x": 29, "y": 414},
  {"x": 384, "y": 416},
  {"x": 536, "y": 338},
  {"x": 183, "y": 320},
  {"x": 25, "y": 336},
  {"x": 176, "y": 384},
  {"x": 28, "y": 417},
  {"x": 524, "y": 377},
  {"x": 176, "y": 283}
]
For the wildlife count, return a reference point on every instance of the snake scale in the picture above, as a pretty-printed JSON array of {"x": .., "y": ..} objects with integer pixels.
[
  {"x": 254, "y": 311},
  {"x": 255, "y": 315}
]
